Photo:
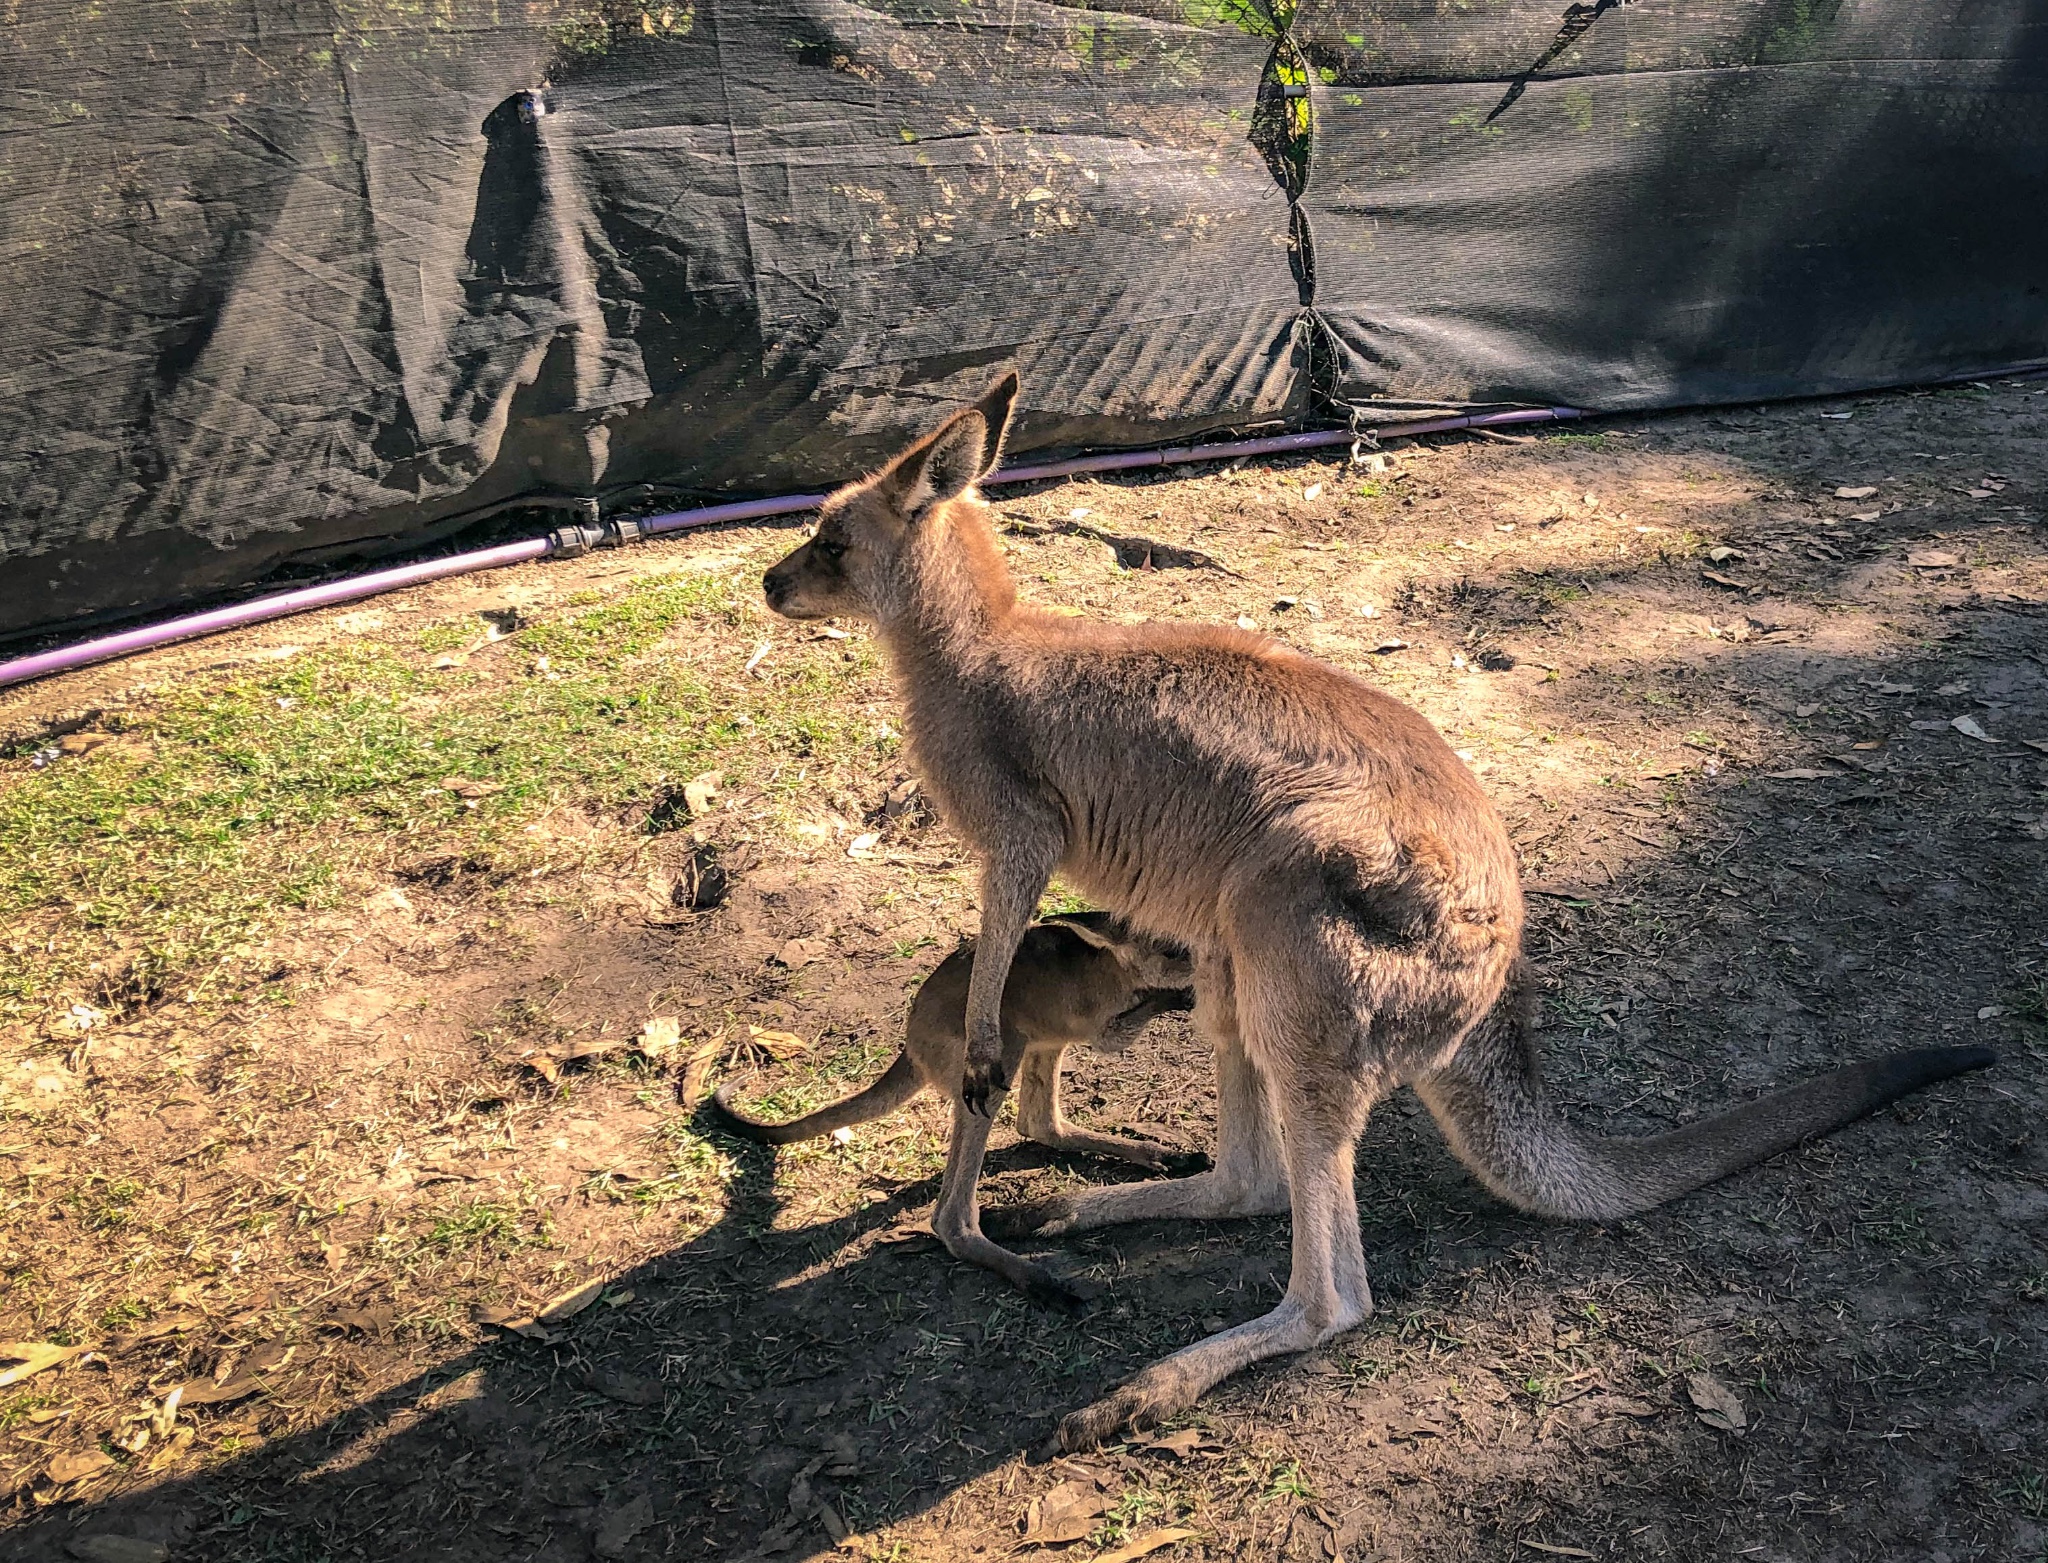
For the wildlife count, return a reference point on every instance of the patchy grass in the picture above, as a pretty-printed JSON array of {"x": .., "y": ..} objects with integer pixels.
[{"x": 140, "y": 870}]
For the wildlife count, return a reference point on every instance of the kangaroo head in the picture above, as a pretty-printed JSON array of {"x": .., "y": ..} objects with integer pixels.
[
  {"x": 1147, "y": 963},
  {"x": 872, "y": 537}
]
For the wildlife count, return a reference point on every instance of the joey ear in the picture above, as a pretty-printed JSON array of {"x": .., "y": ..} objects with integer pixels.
[
  {"x": 956, "y": 455},
  {"x": 1101, "y": 929}
]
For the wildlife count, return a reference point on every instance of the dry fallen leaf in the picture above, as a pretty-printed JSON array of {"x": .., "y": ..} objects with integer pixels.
[
  {"x": 1805, "y": 710},
  {"x": 778, "y": 1045},
  {"x": 1931, "y": 559},
  {"x": 660, "y": 1036},
  {"x": 1151, "y": 1541},
  {"x": 68, "y": 1468},
  {"x": 1313, "y": 491},
  {"x": 835, "y": 1527},
  {"x": 1716, "y": 1403},
  {"x": 628, "y": 1389},
  {"x": 1246, "y": 622},
  {"x": 1183, "y": 1445},
  {"x": 1728, "y": 581},
  {"x": 1802, "y": 774},
  {"x": 516, "y": 1320},
  {"x": 1565, "y": 1552},
  {"x": 31, "y": 1357},
  {"x": 1862, "y": 492},
  {"x": 1388, "y": 645},
  {"x": 1721, "y": 553},
  {"x": 1067, "y": 1513},
  {"x": 801, "y": 952},
  {"x": 2036, "y": 743},
  {"x": 463, "y": 787},
  {"x": 1968, "y": 727},
  {"x": 107, "y": 1548},
  {"x": 616, "y": 1531},
  {"x": 863, "y": 844},
  {"x": 696, "y": 1069},
  {"x": 699, "y": 792},
  {"x": 754, "y": 661},
  {"x": 566, "y": 1305}
]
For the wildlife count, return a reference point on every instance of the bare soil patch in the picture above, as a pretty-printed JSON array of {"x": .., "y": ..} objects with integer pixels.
[{"x": 379, "y": 1174}]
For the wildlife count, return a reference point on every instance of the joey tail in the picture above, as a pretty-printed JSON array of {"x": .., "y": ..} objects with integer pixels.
[
  {"x": 896, "y": 1085},
  {"x": 1490, "y": 1104}
]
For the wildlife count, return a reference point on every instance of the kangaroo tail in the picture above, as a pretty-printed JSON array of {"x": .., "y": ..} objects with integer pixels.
[
  {"x": 1489, "y": 1102},
  {"x": 896, "y": 1085}
]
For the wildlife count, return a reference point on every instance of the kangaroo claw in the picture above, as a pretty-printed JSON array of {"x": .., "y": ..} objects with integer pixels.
[{"x": 982, "y": 1088}]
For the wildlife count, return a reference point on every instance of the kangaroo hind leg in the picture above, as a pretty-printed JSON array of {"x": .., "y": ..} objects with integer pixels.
[{"x": 1303, "y": 1034}]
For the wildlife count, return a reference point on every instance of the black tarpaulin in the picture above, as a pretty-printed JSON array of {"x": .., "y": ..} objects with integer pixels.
[
  {"x": 1690, "y": 203},
  {"x": 288, "y": 280}
]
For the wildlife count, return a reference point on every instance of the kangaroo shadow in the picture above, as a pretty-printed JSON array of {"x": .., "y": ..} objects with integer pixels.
[{"x": 756, "y": 1391}]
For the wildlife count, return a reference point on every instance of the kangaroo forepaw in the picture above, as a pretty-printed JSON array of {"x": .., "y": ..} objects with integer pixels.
[{"x": 982, "y": 1088}]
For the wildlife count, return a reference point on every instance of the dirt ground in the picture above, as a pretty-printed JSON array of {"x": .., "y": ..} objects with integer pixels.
[{"x": 354, "y": 1129}]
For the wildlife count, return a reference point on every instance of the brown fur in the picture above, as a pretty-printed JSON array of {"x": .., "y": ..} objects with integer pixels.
[
  {"x": 1348, "y": 894},
  {"x": 1077, "y": 979}
]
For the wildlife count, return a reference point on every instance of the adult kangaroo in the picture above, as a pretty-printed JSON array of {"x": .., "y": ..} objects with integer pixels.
[{"x": 1347, "y": 894}]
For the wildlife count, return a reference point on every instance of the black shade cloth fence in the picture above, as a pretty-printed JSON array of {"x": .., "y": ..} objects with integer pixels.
[{"x": 290, "y": 280}]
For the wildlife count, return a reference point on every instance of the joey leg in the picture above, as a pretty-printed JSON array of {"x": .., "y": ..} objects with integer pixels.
[
  {"x": 1249, "y": 1177},
  {"x": 1040, "y": 1120},
  {"x": 956, "y": 1222}
]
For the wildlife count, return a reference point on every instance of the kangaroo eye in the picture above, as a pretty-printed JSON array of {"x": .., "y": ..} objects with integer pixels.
[{"x": 829, "y": 547}]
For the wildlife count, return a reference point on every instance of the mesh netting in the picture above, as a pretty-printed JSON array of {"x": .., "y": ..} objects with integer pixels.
[{"x": 290, "y": 279}]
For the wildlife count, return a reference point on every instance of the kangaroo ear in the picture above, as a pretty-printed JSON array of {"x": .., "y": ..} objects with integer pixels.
[
  {"x": 956, "y": 455},
  {"x": 1100, "y": 929},
  {"x": 995, "y": 407}
]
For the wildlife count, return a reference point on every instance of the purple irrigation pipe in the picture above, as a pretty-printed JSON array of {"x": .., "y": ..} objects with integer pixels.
[{"x": 259, "y": 610}]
